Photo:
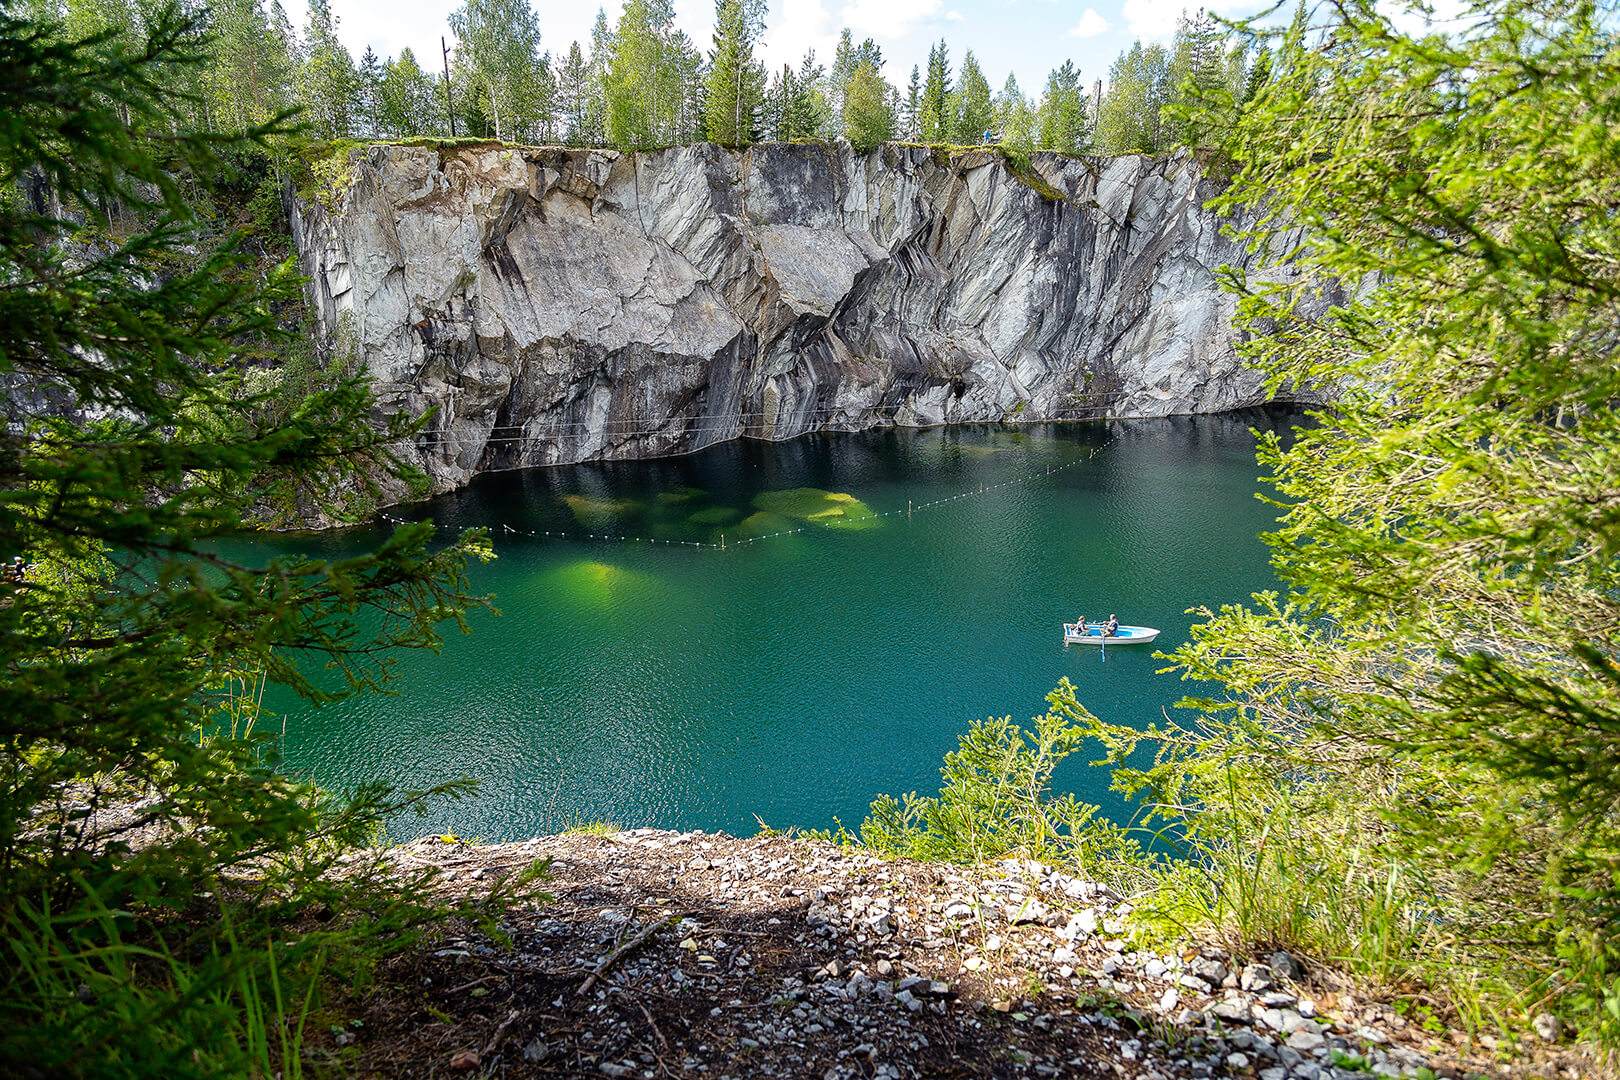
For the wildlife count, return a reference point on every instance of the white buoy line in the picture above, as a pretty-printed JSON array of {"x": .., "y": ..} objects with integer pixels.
[{"x": 723, "y": 545}]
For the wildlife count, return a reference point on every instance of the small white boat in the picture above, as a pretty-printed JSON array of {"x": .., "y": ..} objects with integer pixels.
[{"x": 1092, "y": 634}]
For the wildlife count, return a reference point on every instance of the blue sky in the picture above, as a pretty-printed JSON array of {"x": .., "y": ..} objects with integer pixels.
[{"x": 1025, "y": 37}]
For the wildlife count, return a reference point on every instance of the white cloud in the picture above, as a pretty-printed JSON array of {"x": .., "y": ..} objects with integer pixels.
[
  {"x": 886, "y": 18},
  {"x": 793, "y": 27},
  {"x": 1152, "y": 18},
  {"x": 1090, "y": 25}
]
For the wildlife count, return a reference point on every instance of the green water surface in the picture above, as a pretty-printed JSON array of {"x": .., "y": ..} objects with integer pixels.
[{"x": 651, "y": 682}]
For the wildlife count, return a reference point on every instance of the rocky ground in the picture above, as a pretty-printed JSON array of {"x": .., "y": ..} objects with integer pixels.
[{"x": 668, "y": 954}]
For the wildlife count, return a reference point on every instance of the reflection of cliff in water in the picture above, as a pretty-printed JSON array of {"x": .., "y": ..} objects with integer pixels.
[
  {"x": 747, "y": 487},
  {"x": 553, "y": 306}
]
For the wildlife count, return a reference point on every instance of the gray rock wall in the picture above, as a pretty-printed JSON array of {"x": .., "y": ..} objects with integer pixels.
[{"x": 556, "y": 305}]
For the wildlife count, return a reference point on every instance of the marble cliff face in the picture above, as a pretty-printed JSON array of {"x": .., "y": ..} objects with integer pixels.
[{"x": 555, "y": 305}]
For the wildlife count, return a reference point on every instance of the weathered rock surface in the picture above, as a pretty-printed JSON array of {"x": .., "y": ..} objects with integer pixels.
[{"x": 554, "y": 306}]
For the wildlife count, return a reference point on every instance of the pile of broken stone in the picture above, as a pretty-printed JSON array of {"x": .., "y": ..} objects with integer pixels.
[{"x": 778, "y": 956}]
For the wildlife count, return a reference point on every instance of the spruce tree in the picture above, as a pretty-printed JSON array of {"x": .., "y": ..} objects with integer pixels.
[
  {"x": 935, "y": 117},
  {"x": 736, "y": 82},
  {"x": 911, "y": 108},
  {"x": 972, "y": 110},
  {"x": 135, "y": 643},
  {"x": 1062, "y": 118}
]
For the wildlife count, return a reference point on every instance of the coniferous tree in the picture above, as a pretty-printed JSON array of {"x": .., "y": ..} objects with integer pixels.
[
  {"x": 327, "y": 82},
  {"x": 934, "y": 118},
  {"x": 574, "y": 97},
  {"x": 368, "y": 86},
  {"x": 972, "y": 110},
  {"x": 120, "y": 644},
  {"x": 1016, "y": 117},
  {"x": 807, "y": 109},
  {"x": 691, "y": 75},
  {"x": 910, "y": 114},
  {"x": 1062, "y": 117},
  {"x": 736, "y": 82},
  {"x": 838, "y": 76},
  {"x": 1198, "y": 95},
  {"x": 1259, "y": 72},
  {"x": 600, "y": 63}
]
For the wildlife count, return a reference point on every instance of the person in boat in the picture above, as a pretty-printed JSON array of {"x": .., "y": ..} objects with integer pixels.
[{"x": 1112, "y": 629}]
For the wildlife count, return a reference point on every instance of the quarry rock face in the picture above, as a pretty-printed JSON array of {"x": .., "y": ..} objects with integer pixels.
[{"x": 555, "y": 305}]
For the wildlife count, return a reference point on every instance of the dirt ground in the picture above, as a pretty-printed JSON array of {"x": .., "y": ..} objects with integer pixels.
[{"x": 700, "y": 956}]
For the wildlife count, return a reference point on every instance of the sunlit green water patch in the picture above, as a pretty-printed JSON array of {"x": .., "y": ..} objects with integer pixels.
[{"x": 654, "y": 682}]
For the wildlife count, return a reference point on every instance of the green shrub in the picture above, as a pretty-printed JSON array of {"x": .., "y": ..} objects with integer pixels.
[{"x": 995, "y": 800}]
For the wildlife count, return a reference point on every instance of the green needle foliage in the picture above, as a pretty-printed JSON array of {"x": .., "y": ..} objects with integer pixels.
[
  {"x": 137, "y": 809},
  {"x": 1413, "y": 765}
]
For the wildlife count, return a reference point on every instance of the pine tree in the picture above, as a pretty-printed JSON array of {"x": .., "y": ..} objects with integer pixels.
[
  {"x": 574, "y": 97},
  {"x": 736, "y": 82}
]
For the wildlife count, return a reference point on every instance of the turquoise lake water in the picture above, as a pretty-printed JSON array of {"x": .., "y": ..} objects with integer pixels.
[{"x": 797, "y": 677}]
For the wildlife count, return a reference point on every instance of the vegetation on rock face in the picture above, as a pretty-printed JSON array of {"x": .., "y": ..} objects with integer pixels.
[{"x": 162, "y": 898}]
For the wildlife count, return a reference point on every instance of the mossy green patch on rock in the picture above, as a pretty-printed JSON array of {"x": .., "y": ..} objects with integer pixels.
[
  {"x": 680, "y": 495},
  {"x": 715, "y": 515},
  {"x": 818, "y": 506},
  {"x": 597, "y": 513},
  {"x": 762, "y": 523}
]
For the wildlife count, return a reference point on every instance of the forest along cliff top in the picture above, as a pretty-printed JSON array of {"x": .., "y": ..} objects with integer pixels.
[{"x": 668, "y": 954}]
